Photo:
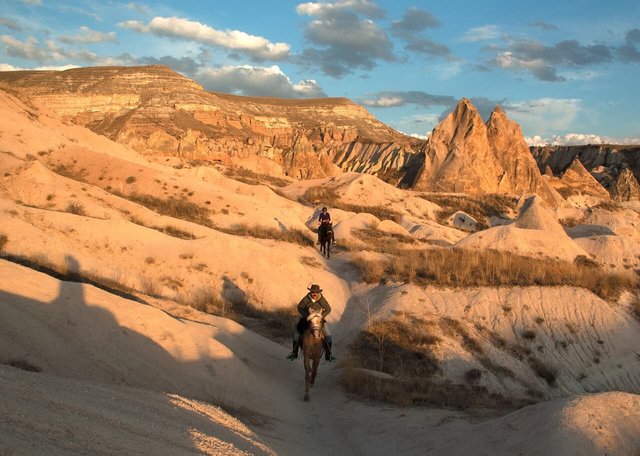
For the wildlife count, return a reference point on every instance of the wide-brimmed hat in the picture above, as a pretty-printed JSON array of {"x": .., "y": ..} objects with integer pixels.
[{"x": 315, "y": 289}]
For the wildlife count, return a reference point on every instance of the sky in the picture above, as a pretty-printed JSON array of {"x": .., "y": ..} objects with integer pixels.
[{"x": 568, "y": 71}]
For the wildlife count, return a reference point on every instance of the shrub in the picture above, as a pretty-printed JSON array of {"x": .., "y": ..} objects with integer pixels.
[
  {"x": 478, "y": 207},
  {"x": 173, "y": 207},
  {"x": 529, "y": 334},
  {"x": 3, "y": 242},
  {"x": 294, "y": 236},
  {"x": 23, "y": 364},
  {"x": 75, "y": 207},
  {"x": 130, "y": 180},
  {"x": 466, "y": 268}
]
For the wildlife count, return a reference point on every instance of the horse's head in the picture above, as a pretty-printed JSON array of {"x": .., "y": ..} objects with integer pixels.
[{"x": 316, "y": 322}]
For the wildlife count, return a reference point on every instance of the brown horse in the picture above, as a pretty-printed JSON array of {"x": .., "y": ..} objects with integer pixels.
[
  {"x": 312, "y": 347},
  {"x": 325, "y": 231}
]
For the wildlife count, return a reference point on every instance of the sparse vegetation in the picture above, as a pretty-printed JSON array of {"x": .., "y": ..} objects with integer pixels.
[
  {"x": 380, "y": 241},
  {"x": 173, "y": 207},
  {"x": 3, "y": 242},
  {"x": 528, "y": 334},
  {"x": 466, "y": 268},
  {"x": 294, "y": 236},
  {"x": 479, "y": 207},
  {"x": 328, "y": 197},
  {"x": 402, "y": 347},
  {"x": 168, "y": 229},
  {"x": 130, "y": 179},
  {"x": 23, "y": 364},
  {"x": 75, "y": 207},
  {"x": 252, "y": 178}
]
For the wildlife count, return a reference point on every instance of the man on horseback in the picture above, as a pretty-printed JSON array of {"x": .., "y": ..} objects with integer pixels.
[
  {"x": 323, "y": 218},
  {"x": 312, "y": 301}
]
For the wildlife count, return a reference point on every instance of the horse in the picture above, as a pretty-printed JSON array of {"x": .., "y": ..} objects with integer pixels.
[
  {"x": 326, "y": 238},
  {"x": 312, "y": 348}
]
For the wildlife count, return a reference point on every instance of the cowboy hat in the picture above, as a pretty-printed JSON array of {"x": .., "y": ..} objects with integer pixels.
[{"x": 315, "y": 289}]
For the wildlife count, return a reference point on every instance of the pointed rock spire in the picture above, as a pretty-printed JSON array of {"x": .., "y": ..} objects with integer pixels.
[{"x": 625, "y": 187}]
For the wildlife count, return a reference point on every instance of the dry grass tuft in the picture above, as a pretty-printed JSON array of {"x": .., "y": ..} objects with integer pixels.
[
  {"x": 168, "y": 229},
  {"x": 479, "y": 207},
  {"x": 75, "y": 207},
  {"x": 294, "y": 236},
  {"x": 172, "y": 207},
  {"x": 328, "y": 197},
  {"x": 403, "y": 348},
  {"x": 381, "y": 241},
  {"x": 23, "y": 364},
  {"x": 468, "y": 268},
  {"x": 3, "y": 242},
  {"x": 252, "y": 178}
]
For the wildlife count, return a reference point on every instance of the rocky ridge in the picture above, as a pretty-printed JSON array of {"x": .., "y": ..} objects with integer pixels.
[{"x": 159, "y": 112}]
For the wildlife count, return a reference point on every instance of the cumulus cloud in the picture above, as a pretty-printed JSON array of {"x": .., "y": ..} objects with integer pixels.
[
  {"x": 88, "y": 36},
  {"x": 577, "y": 139},
  {"x": 365, "y": 7},
  {"x": 544, "y": 115},
  {"x": 30, "y": 49},
  {"x": 7, "y": 67},
  {"x": 256, "y": 81},
  {"x": 415, "y": 20},
  {"x": 408, "y": 30},
  {"x": 10, "y": 24},
  {"x": 629, "y": 50},
  {"x": 484, "y": 33},
  {"x": 139, "y": 7},
  {"x": 256, "y": 47},
  {"x": 543, "y": 25},
  {"x": 390, "y": 99},
  {"x": 545, "y": 62},
  {"x": 344, "y": 37}
]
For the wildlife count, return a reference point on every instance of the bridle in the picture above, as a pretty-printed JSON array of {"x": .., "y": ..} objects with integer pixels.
[{"x": 315, "y": 323}]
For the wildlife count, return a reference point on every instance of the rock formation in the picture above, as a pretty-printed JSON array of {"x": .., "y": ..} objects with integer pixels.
[
  {"x": 625, "y": 187},
  {"x": 466, "y": 155},
  {"x": 576, "y": 180},
  {"x": 157, "y": 111}
]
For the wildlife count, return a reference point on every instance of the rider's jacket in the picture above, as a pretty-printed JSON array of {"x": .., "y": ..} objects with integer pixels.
[
  {"x": 307, "y": 303},
  {"x": 324, "y": 217}
]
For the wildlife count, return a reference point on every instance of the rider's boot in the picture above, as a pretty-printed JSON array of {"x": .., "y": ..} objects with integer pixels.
[
  {"x": 294, "y": 353},
  {"x": 327, "y": 349}
]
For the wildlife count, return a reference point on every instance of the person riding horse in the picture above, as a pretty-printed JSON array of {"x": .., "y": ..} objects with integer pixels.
[
  {"x": 312, "y": 300},
  {"x": 323, "y": 219}
]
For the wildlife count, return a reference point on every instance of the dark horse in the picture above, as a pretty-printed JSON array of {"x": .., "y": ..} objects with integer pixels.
[
  {"x": 325, "y": 231},
  {"x": 312, "y": 348}
]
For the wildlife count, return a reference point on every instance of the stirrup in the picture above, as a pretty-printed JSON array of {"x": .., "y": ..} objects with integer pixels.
[
  {"x": 292, "y": 356},
  {"x": 330, "y": 359}
]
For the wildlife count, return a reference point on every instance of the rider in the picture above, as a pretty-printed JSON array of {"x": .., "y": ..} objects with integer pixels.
[
  {"x": 312, "y": 300},
  {"x": 324, "y": 217}
]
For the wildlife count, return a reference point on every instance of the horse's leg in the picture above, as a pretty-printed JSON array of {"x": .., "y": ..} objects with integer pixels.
[
  {"x": 328, "y": 248},
  {"x": 314, "y": 370},
  {"x": 307, "y": 376}
]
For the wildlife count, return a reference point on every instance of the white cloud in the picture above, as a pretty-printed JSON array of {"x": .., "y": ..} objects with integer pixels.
[
  {"x": 7, "y": 67},
  {"x": 139, "y": 7},
  {"x": 484, "y": 33},
  {"x": 28, "y": 49},
  {"x": 256, "y": 81},
  {"x": 87, "y": 36},
  {"x": 577, "y": 139},
  {"x": 544, "y": 116},
  {"x": 175, "y": 27},
  {"x": 32, "y": 2},
  {"x": 364, "y": 7}
]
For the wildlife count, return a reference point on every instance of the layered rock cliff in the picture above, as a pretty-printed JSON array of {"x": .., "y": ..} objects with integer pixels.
[
  {"x": 157, "y": 111},
  {"x": 605, "y": 162}
]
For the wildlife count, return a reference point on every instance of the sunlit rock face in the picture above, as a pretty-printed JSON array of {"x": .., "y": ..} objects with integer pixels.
[
  {"x": 466, "y": 155},
  {"x": 157, "y": 111}
]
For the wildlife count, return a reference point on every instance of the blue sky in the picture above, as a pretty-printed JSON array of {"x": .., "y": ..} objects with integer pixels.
[{"x": 567, "y": 71}]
